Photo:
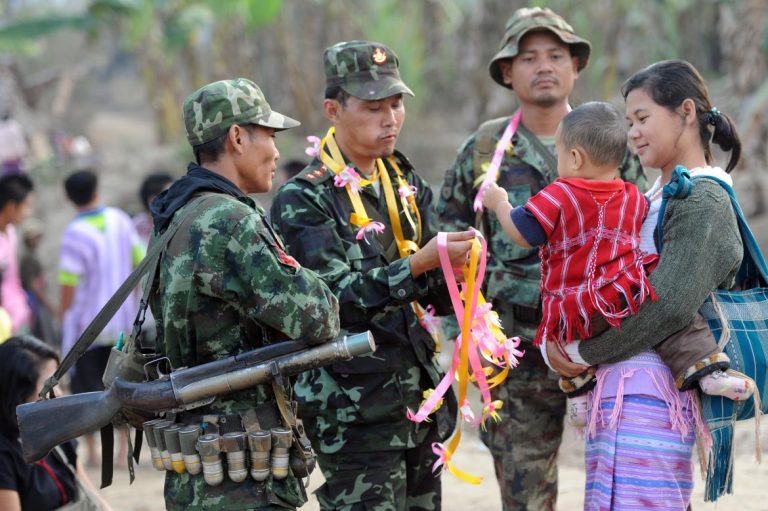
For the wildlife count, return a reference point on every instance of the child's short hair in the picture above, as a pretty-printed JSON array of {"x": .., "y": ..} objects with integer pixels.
[{"x": 600, "y": 129}]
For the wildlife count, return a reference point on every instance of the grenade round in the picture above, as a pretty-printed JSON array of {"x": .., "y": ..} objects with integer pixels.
[
  {"x": 188, "y": 439},
  {"x": 260, "y": 444},
  {"x": 171, "y": 434},
  {"x": 210, "y": 453},
  {"x": 149, "y": 433},
  {"x": 160, "y": 441},
  {"x": 281, "y": 443},
  {"x": 234, "y": 445}
]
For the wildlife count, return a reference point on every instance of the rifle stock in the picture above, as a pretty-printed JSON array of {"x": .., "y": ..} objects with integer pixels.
[{"x": 48, "y": 423}]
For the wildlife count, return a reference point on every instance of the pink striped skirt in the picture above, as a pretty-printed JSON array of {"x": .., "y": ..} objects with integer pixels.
[{"x": 641, "y": 462}]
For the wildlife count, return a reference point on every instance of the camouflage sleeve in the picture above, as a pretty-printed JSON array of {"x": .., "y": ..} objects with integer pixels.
[
  {"x": 363, "y": 287},
  {"x": 454, "y": 207},
  {"x": 273, "y": 289},
  {"x": 633, "y": 172}
]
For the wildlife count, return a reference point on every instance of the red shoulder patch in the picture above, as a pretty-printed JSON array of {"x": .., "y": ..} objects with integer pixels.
[{"x": 286, "y": 259}]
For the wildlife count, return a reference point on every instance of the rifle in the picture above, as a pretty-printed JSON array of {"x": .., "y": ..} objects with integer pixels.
[{"x": 44, "y": 424}]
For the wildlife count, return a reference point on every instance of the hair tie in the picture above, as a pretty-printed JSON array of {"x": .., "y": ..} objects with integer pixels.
[{"x": 713, "y": 115}]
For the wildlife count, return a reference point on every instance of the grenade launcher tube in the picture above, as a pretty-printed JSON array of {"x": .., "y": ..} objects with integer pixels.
[{"x": 48, "y": 423}]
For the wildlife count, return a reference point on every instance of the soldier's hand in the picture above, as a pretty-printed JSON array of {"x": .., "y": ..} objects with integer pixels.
[
  {"x": 458, "y": 245},
  {"x": 493, "y": 196}
]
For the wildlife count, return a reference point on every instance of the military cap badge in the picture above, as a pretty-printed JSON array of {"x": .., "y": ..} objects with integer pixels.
[{"x": 379, "y": 56}]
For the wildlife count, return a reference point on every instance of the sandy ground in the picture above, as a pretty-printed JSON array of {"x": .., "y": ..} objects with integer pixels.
[{"x": 146, "y": 493}]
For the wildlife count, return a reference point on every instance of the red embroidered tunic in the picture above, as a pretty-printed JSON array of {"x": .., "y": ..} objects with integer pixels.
[{"x": 592, "y": 262}]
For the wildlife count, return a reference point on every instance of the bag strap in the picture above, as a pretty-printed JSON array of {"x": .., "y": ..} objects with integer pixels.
[
  {"x": 113, "y": 304},
  {"x": 549, "y": 158},
  {"x": 753, "y": 264}
]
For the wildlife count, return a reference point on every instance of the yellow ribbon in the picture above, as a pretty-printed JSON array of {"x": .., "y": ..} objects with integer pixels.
[
  {"x": 334, "y": 160},
  {"x": 469, "y": 271}
]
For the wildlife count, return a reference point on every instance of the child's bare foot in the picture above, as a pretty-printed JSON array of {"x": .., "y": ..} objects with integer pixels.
[
  {"x": 727, "y": 385},
  {"x": 577, "y": 411}
]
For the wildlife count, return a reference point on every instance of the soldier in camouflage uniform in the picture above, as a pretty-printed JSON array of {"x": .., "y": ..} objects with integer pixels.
[
  {"x": 225, "y": 284},
  {"x": 372, "y": 456},
  {"x": 539, "y": 58}
]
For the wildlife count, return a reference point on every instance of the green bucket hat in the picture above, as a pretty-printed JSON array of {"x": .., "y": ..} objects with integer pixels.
[
  {"x": 213, "y": 108},
  {"x": 364, "y": 69},
  {"x": 528, "y": 19}
]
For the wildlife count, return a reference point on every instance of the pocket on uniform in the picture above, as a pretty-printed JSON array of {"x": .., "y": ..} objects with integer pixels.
[
  {"x": 361, "y": 256},
  {"x": 371, "y": 384}
]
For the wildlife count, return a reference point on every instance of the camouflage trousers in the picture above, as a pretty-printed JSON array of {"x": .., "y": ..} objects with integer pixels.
[
  {"x": 524, "y": 444},
  {"x": 185, "y": 492},
  {"x": 380, "y": 481}
]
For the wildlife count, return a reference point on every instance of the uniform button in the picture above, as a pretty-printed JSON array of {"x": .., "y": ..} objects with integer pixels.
[{"x": 401, "y": 293}]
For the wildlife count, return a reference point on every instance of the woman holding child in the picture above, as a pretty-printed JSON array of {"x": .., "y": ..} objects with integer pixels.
[{"x": 642, "y": 428}]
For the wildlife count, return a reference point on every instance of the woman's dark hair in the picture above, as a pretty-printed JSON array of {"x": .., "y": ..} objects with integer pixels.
[
  {"x": 669, "y": 83},
  {"x": 21, "y": 358}
]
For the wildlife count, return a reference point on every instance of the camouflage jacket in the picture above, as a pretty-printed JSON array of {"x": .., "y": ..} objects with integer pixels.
[
  {"x": 513, "y": 272},
  {"x": 360, "y": 405},
  {"x": 226, "y": 286}
]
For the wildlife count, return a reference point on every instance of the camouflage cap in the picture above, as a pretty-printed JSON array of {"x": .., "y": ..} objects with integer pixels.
[
  {"x": 213, "y": 108},
  {"x": 364, "y": 69},
  {"x": 536, "y": 18}
]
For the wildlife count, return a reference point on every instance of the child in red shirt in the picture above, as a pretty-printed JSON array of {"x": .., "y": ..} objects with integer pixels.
[{"x": 593, "y": 273}]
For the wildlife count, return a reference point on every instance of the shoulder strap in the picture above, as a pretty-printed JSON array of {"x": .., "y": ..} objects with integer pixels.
[
  {"x": 549, "y": 158},
  {"x": 113, "y": 304},
  {"x": 753, "y": 265}
]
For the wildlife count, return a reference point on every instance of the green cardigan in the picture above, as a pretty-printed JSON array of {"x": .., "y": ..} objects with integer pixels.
[{"x": 702, "y": 251}]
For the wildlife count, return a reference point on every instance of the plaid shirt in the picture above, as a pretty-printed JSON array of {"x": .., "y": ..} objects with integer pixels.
[{"x": 591, "y": 263}]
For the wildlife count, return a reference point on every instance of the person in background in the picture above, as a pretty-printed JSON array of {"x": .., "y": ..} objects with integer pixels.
[
  {"x": 13, "y": 146},
  {"x": 15, "y": 205},
  {"x": 150, "y": 188},
  {"x": 288, "y": 170},
  {"x": 49, "y": 483},
  {"x": 33, "y": 282},
  {"x": 99, "y": 249}
]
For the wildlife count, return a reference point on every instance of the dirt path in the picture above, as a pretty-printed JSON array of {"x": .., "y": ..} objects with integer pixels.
[{"x": 750, "y": 480}]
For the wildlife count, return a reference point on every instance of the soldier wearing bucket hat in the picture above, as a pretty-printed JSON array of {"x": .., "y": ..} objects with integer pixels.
[
  {"x": 539, "y": 58},
  {"x": 225, "y": 284},
  {"x": 337, "y": 218}
]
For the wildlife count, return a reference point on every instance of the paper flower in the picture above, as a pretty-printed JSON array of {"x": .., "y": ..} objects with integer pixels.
[
  {"x": 374, "y": 227},
  {"x": 314, "y": 149},
  {"x": 348, "y": 176}
]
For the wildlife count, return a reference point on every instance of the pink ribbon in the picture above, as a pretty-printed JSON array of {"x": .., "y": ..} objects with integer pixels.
[
  {"x": 467, "y": 414},
  {"x": 458, "y": 308},
  {"x": 374, "y": 227},
  {"x": 314, "y": 149},
  {"x": 429, "y": 321},
  {"x": 348, "y": 176},
  {"x": 493, "y": 168},
  {"x": 439, "y": 450}
]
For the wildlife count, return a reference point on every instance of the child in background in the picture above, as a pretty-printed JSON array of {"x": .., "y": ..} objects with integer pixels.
[{"x": 593, "y": 273}]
